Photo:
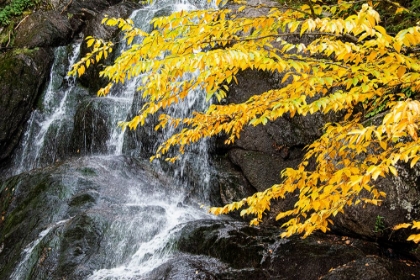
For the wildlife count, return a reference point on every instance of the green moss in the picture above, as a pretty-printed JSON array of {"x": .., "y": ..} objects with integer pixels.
[
  {"x": 8, "y": 60},
  {"x": 15, "y": 8}
]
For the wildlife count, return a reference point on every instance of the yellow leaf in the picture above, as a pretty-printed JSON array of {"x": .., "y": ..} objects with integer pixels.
[
  {"x": 380, "y": 29},
  {"x": 397, "y": 46},
  {"x": 414, "y": 237},
  {"x": 416, "y": 225},
  {"x": 383, "y": 145},
  {"x": 81, "y": 70},
  {"x": 90, "y": 42},
  {"x": 400, "y": 226},
  {"x": 130, "y": 40},
  {"x": 401, "y": 71},
  {"x": 376, "y": 174},
  {"x": 414, "y": 161},
  {"x": 393, "y": 170}
]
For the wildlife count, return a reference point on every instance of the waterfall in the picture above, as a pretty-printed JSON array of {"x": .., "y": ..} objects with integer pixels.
[
  {"x": 137, "y": 245},
  {"x": 39, "y": 147},
  {"x": 22, "y": 268},
  {"x": 158, "y": 249}
]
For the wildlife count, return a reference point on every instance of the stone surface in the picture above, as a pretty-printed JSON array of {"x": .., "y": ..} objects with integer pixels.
[
  {"x": 96, "y": 29},
  {"x": 43, "y": 29},
  {"x": 261, "y": 252},
  {"x": 283, "y": 133},
  {"x": 71, "y": 217},
  {"x": 22, "y": 76},
  {"x": 400, "y": 205},
  {"x": 262, "y": 170},
  {"x": 91, "y": 127},
  {"x": 228, "y": 183}
]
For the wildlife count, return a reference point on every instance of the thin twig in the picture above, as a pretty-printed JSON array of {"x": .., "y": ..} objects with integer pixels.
[
  {"x": 21, "y": 22},
  {"x": 66, "y": 7},
  {"x": 312, "y": 9},
  {"x": 8, "y": 42}
]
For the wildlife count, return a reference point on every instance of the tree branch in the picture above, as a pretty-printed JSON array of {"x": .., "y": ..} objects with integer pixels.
[{"x": 312, "y": 9}]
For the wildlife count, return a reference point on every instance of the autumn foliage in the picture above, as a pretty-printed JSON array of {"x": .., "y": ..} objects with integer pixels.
[{"x": 349, "y": 62}]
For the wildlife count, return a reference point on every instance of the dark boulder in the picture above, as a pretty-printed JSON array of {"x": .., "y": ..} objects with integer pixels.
[
  {"x": 401, "y": 204},
  {"x": 262, "y": 252},
  {"x": 262, "y": 152},
  {"x": 143, "y": 136},
  {"x": 261, "y": 169},
  {"x": 80, "y": 6},
  {"x": 43, "y": 29},
  {"x": 374, "y": 268},
  {"x": 187, "y": 266},
  {"x": 91, "y": 127},
  {"x": 95, "y": 28},
  {"x": 80, "y": 11},
  {"x": 228, "y": 183},
  {"x": 22, "y": 76},
  {"x": 282, "y": 134}
]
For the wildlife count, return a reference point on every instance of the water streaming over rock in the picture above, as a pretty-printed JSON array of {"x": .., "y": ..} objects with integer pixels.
[
  {"x": 53, "y": 119},
  {"x": 24, "y": 266},
  {"x": 92, "y": 173}
]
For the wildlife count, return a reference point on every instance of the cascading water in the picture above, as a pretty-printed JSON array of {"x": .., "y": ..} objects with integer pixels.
[
  {"x": 22, "y": 269},
  {"x": 136, "y": 245},
  {"x": 38, "y": 148},
  {"x": 157, "y": 249}
]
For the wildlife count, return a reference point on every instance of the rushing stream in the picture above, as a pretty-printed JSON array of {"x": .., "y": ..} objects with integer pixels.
[
  {"x": 149, "y": 214},
  {"x": 47, "y": 123}
]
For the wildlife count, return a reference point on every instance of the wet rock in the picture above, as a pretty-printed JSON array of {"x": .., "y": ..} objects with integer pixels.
[
  {"x": 215, "y": 239},
  {"x": 374, "y": 268},
  {"x": 43, "y": 29},
  {"x": 142, "y": 141},
  {"x": 284, "y": 133},
  {"x": 84, "y": 6},
  {"x": 228, "y": 184},
  {"x": 22, "y": 76},
  {"x": 187, "y": 266},
  {"x": 260, "y": 249},
  {"x": 95, "y": 28},
  {"x": 91, "y": 127},
  {"x": 261, "y": 169},
  {"x": 69, "y": 217},
  {"x": 263, "y": 151}
]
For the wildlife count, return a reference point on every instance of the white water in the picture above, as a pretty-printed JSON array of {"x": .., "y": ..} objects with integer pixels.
[
  {"x": 154, "y": 252},
  {"x": 158, "y": 249},
  {"x": 156, "y": 244},
  {"x": 52, "y": 116},
  {"x": 24, "y": 266}
]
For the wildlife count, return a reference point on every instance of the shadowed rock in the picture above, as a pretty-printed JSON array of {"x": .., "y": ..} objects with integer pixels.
[
  {"x": 43, "y": 29},
  {"x": 22, "y": 76}
]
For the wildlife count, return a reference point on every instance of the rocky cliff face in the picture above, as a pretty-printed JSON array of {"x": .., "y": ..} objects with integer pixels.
[
  {"x": 77, "y": 205},
  {"x": 25, "y": 67},
  {"x": 263, "y": 151},
  {"x": 23, "y": 73}
]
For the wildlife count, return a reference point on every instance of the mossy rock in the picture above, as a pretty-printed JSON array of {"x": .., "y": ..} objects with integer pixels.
[{"x": 23, "y": 73}]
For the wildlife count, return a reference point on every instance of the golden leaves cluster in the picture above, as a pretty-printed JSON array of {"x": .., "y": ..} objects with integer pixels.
[{"x": 349, "y": 60}]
